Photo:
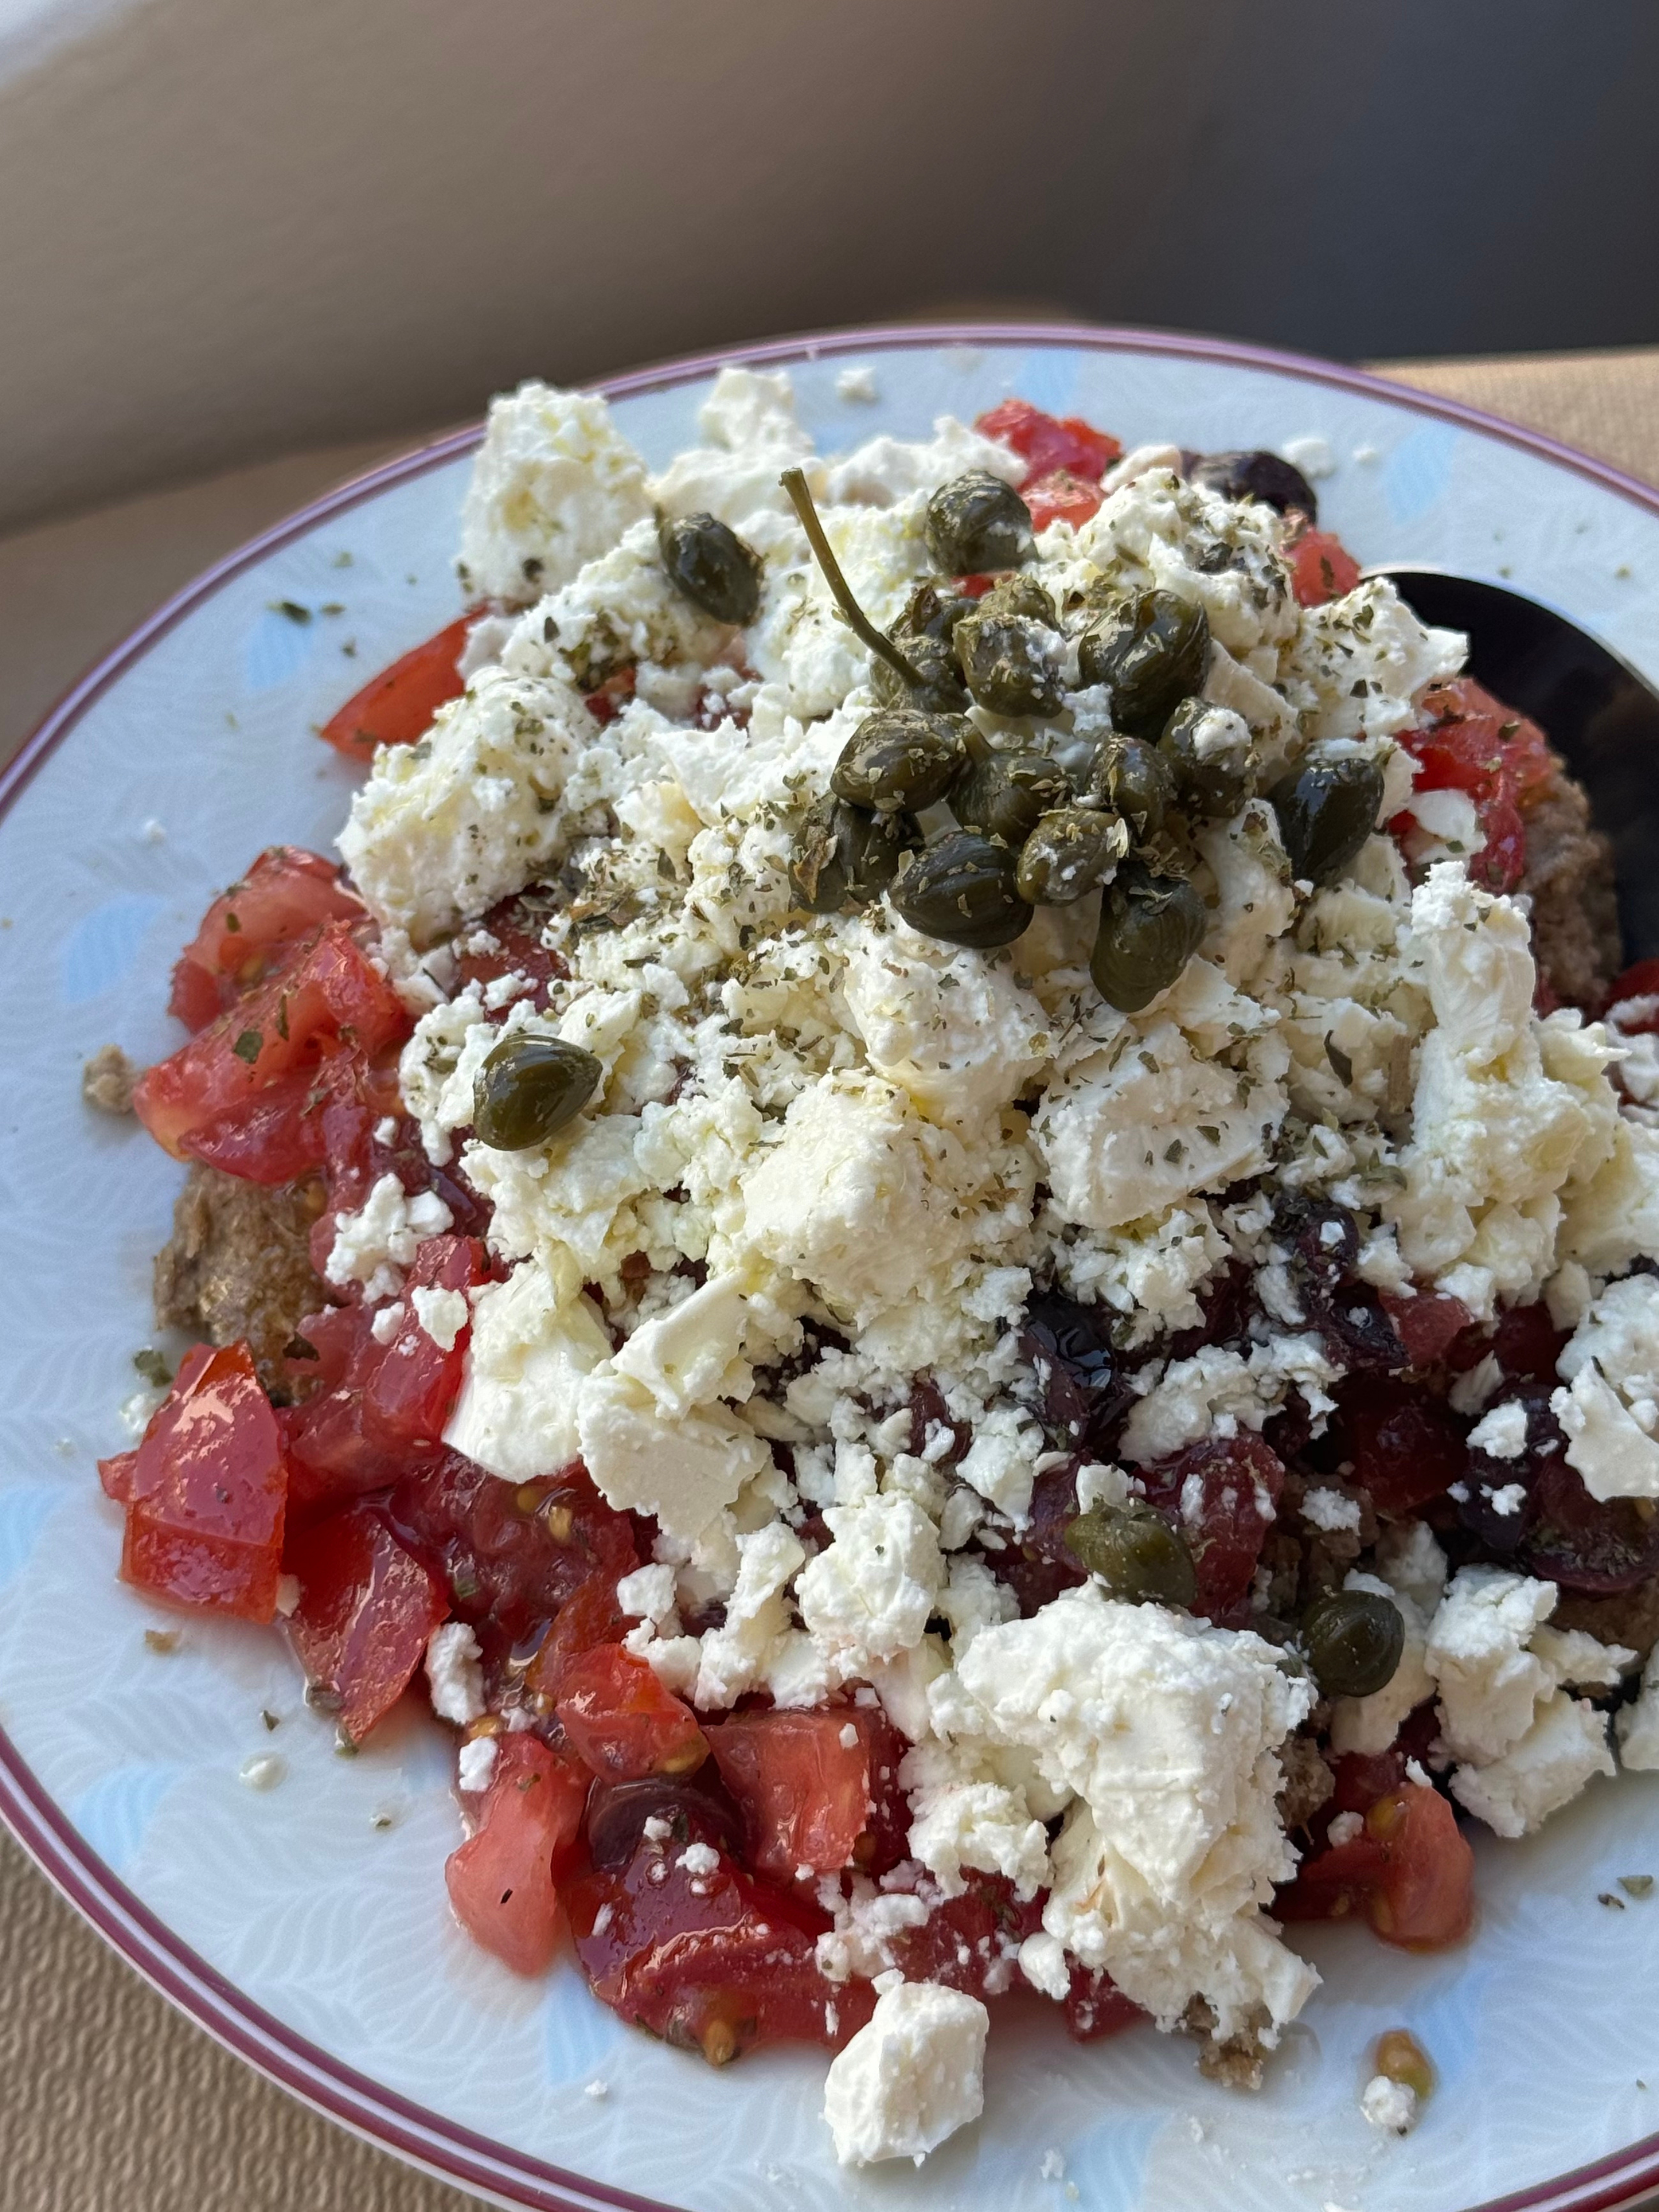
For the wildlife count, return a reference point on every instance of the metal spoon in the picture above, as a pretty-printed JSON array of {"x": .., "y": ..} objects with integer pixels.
[{"x": 1600, "y": 715}]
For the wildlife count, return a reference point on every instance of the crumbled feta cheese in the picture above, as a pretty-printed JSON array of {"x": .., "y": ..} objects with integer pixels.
[
  {"x": 442, "y": 1314},
  {"x": 526, "y": 1360},
  {"x": 867, "y": 1596},
  {"x": 373, "y": 1245},
  {"x": 910, "y": 2077},
  {"x": 681, "y": 1471},
  {"x": 455, "y": 1673},
  {"x": 1610, "y": 1411},
  {"x": 1489, "y": 1680},
  {"x": 1502, "y": 1434},
  {"x": 387, "y": 1320},
  {"x": 476, "y": 1765},
  {"x": 1390, "y": 2105},
  {"x": 554, "y": 485},
  {"x": 1043, "y": 1962},
  {"x": 1547, "y": 1767},
  {"x": 1329, "y": 1510},
  {"x": 857, "y": 382}
]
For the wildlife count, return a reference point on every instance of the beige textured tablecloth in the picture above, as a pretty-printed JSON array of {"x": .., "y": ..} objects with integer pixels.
[{"x": 109, "y": 2100}]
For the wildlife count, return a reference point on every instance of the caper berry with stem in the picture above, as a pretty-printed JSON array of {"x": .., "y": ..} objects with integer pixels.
[
  {"x": 1135, "y": 1553},
  {"x": 1150, "y": 650},
  {"x": 1326, "y": 810},
  {"x": 1006, "y": 794},
  {"x": 710, "y": 564},
  {"x": 926, "y": 635},
  {"x": 900, "y": 759},
  {"x": 1210, "y": 754},
  {"x": 1149, "y": 928},
  {"x": 962, "y": 889},
  {"x": 1256, "y": 476},
  {"x": 529, "y": 1087},
  {"x": 1073, "y": 850},
  {"x": 1132, "y": 778},
  {"x": 976, "y": 523},
  {"x": 1353, "y": 1640},
  {"x": 844, "y": 856}
]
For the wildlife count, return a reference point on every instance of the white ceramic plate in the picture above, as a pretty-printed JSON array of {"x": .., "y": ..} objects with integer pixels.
[{"x": 297, "y": 1926}]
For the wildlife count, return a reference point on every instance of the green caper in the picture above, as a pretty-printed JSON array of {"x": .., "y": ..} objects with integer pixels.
[
  {"x": 976, "y": 523},
  {"x": 1150, "y": 650},
  {"x": 843, "y": 856},
  {"x": 1149, "y": 928},
  {"x": 1072, "y": 850},
  {"x": 1006, "y": 794},
  {"x": 962, "y": 889},
  {"x": 530, "y": 1087},
  {"x": 1134, "y": 780},
  {"x": 1326, "y": 811},
  {"x": 1209, "y": 751},
  {"x": 1023, "y": 592},
  {"x": 712, "y": 565},
  {"x": 1135, "y": 1553},
  {"x": 925, "y": 635},
  {"x": 1353, "y": 1640},
  {"x": 1011, "y": 664},
  {"x": 900, "y": 758}
]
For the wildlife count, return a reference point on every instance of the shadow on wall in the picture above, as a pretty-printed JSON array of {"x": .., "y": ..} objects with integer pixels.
[{"x": 228, "y": 231}]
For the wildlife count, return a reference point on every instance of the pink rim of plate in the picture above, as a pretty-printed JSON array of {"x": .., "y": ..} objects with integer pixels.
[{"x": 441, "y": 2146}]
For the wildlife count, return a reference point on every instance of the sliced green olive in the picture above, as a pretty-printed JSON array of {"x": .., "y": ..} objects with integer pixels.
[
  {"x": 900, "y": 759},
  {"x": 1149, "y": 928},
  {"x": 1353, "y": 1640},
  {"x": 1133, "y": 778},
  {"x": 1326, "y": 810},
  {"x": 1006, "y": 794},
  {"x": 976, "y": 523},
  {"x": 962, "y": 889},
  {"x": 711, "y": 565},
  {"x": 1211, "y": 757},
  {"x": 1135, "y": 1553},
  {"x": 1011, "y": 664},
  {"x": 1150, "y": 650},
  {"x": 843, "y": 856},
  {"x": 1072, "y": 850},
  {"x": 528, "y": 1088}
]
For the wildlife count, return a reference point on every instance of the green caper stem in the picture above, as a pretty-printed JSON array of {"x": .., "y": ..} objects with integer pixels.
[{"x": 794, "y": 483}]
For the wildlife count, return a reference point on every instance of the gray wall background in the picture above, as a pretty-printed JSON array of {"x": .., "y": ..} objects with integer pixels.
[{"x": 229, "y": 229}]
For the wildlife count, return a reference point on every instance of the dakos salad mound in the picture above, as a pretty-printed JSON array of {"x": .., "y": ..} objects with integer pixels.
[{"x": 950, "y": 1225}]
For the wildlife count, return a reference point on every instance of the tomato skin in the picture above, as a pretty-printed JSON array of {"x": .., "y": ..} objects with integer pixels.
[
  {"x": 409, "y": 1396},
  {"x": 1060, "y": 496},
  {"x": 115, "y": 1476},
  {"x": 1427, "y": 1325},
  {"x": 1410, "y": 1871},
  {"x": 1047, "y": 443},
  {"x": 208, "y": 1491},
  {"x": 252, "y": 929},
  {"x": 1225, "y": 1491},
  {"x": 501, "y": 1881},
  {"x": 1471, "y": 742},
  {"x": 971, "y": 1941},
  {"x": 714, "y": 1962},
  {"x": 1322, "y": 568},
  {"x": 396, "y": 707},
  {"x": 331, "y": 992},
  {"x": 804, "y": 1794},
  {"x": 1407, "y": 1445},
  {"x": 620, "y": 1720},
  {"x": 366, "y": 1607},
  {"x": 1639, "y": 981}
]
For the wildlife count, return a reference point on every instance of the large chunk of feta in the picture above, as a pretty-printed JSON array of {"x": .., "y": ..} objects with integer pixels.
[
  {"x": 911, "y": 2076},
  {"x": 555, "y": 484},
  {"x": 529, "y": 1350}
]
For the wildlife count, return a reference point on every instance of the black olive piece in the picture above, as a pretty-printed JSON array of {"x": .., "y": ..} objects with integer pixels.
[
  {"x": 711, "y": 565},
  {"x": 1132, "y": 778},
  {"x": 1150, "y": 650},
  {"x": 1006, "y": 794},
  {"x": 961, "y": 889},
  {"x": 1011, "y": 664},
  {"x": 1135, "y": 1553},
  {"x": 900, "y": 759},
  {"x": 843, "y": 856},
  {"x": 1149, "y": 928},
  {"x": 1072, "y": 850},
  {"x": 1326, "y": 810},
  {"x": 528, "y": 1088},
  {"x": 1070, "y": 1348},
  {"x": 1255, "y": 476},
  {"x": 1353, "y": 1640},
  {"x": 976, "y": 523},
  {"x": 1211, "y": 758}
]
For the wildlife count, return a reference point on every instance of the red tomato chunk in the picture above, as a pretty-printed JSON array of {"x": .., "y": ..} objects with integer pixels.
[
  {"x": 1473, "y": 744},
  {"x": 972, "y": 1942},
  {"x": 803, "y": 1782},
  {"x": 412, "y": 1386},
  {"x": 366, "y": 1607},
  {"x": 1322, "y": 568},
  {"x": 711, "y": 1960},
  {"x": 1061, "y": 497},
  {"x": 501, "y": 1881},
  {"x": 1226, "y": 1492},
  {"x": 396, "y": 707},
  {"x": 251, "y": 930},
  {"x": 1427, "y": 1325},
  {"x": 622, "y": 1721},
  {"x": 1047, "y": 443},
  {"x": 1410, "y": 1871},
  {"x": 207, "y": 1490}
]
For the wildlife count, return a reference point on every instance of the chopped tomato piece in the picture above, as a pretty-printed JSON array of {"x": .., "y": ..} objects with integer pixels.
[
  {"x": 612, "y": 695},
  {"x": 711, "y": 1960},
  {"x": 366, "y": 1607},
  {"x": 1060, "y": 496},
  {"x": 252, "y": 929},
  {"x": 208, "y": 1491},
  {"x": 1426, "y": 1325},
  {"x": 396, "y": 707},
  {"x": 1640, "y": 981},
  {"x": 971, "y": 1941},
  {"x": 331, "y": 1457},
  {"x": 1046, "y": 442},
  {"x": 1471, "y": 742},
  {"x": 332, "y": 993},
  {"x": 273, "y": 1136},
  {"x": 417, "y": 1379},
  {"x": 1322, "y": 568},
  {"x": 803, "y": 1781},
  {"x": 589, "y": 1618},
  {"x": 1410, "y": 1871},
  {"x": 115, "y": 1476},
  {"x": 516, "y": 925},
  {"x": 501, "y": 1881},
  {"x": 1224, "y": 1491},
  {"x": 623, "y": 1721},
  {"x": 1405, "y": 1445},
  {"x": 1095, "y": 2008}
]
